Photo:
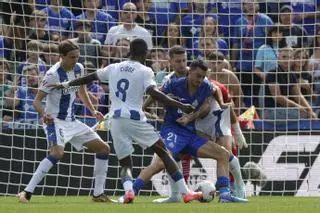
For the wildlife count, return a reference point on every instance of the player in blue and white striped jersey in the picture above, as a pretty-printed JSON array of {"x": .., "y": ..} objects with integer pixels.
[{"x": 60, "y": 124}]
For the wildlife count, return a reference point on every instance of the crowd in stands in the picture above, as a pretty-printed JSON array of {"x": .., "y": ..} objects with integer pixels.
[{"x": 272, "y": 48}]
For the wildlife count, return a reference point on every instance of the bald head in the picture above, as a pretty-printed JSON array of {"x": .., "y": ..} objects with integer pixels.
[{"x": 129, "y": 13}]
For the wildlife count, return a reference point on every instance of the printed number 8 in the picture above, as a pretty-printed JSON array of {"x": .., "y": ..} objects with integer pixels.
[{"x": 122, "y": 86}]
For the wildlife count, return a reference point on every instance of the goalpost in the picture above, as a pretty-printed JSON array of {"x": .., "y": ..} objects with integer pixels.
[{"x": 288, "y": 152}]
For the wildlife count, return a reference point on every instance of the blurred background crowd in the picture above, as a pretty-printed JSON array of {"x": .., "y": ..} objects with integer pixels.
[{"x": 272, "y": 47}]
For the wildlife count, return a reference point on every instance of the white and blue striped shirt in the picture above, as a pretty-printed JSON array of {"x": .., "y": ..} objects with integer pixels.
[{"x": 60, "y": 102}]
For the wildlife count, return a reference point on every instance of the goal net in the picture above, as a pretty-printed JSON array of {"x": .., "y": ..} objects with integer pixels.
[{"x": 251, "y": 39}]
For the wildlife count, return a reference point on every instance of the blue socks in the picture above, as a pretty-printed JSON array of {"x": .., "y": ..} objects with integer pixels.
[{"x": 138, "y": 185}]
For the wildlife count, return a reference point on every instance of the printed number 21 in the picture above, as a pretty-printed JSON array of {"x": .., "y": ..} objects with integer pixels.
[{"x": 122, "y": 86}]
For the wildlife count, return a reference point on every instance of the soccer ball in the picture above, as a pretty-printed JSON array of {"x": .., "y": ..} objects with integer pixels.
[{"x": 208, "y": 190}]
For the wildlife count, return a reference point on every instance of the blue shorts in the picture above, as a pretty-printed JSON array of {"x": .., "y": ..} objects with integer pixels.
[{"x": 178, "y": 140}]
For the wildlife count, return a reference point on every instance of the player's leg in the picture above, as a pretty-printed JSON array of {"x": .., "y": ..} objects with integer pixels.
[
  {"x": 146, "y": 174},
  {"x": 94, "y": 143},
  {"x": 219, "y": 153},
  {"x": 238, "y": 188},
  {"x": 102, "y": 150},
  {"x": 172, "y": 168},
  {"x": 121, "y": 130},
  {"x": 145, "y": 136},
  {"x": 55, "y": 142}
]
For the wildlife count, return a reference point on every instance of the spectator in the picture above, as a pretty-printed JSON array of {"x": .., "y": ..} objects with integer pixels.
[
  {"x": 120, "y": 51},
  {"x": 100, "y": 21},
  {"x": 208, "y": 34},
  {"x": 144, "y": 19},
  {"x": 59, "y": 19},
  {"x": 295, "y": 35},
  {"x": 25, "y": 96},
  {"x": 314, "y": 64},
  {"x": 51, "y": 54},
  {"x": 113, "y": 7},
  {"x": 129, "y": 28},
  {"x": 283, "y": 99},
  {"x": 304, "y": 75},
  {"x": 266, "y": 58},
  {"x": 96, "y": 94},
  {"x": 191, "y": 23},
  {"x": 6, "y": 92},
  {"x": 306, "y": 15},
  {"x": 34, "y": 48},
  {"x": 228, "y": 12},
  {"x": 171, "y": 37},
  {"x": 16, "y": 33},
  {"x": 164, "y": 12},
  {"x": 89, "y": 47},
  {"x": 250, "y": 33},
  {"x": 38, "y": 21},
  {"x": 158, "y": 60},
  {"x": 215, "y": 62}
]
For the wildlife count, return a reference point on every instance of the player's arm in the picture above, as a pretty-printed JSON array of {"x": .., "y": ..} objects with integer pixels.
[
  {"x": 84, "y": 97},
  {"x": 166, "y": 100},
  {"x": 201, "y": 113},
  {"x": 37, "y": 104},
  {"x": 237, "y": 94},
  {"x": 217, "y": 94}
]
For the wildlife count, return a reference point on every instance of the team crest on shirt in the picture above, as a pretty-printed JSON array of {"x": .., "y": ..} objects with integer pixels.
[{"x": 195, "y": 103}]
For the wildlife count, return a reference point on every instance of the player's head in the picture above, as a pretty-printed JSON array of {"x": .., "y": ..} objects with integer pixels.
[
  {"x": 138, "y": 50},
  {"x": 197, "y": 73},
  {"x": 178, "y": 59},
  {"x": 69, "y": 52},
  {"x": 215, "y": 61}
]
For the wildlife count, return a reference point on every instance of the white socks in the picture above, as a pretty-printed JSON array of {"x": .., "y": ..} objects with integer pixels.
[
  {"x": 44, "y": 166},
  {"x": 100, "y": 175},
  {"x": 235, "y": 170}
]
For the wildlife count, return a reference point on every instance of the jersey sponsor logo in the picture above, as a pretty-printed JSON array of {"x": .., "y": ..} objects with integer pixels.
[{"x": 69, "y": 90}]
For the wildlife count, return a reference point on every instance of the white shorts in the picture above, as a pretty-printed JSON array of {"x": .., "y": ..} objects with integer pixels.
[
  {"x": 124, "y": 131},
  {"x": 74, "y": 132},
  {"x": 216, "y": 124}
]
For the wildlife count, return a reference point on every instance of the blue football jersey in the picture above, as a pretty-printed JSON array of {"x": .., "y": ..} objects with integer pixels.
[{"x": 179, "y": 88}]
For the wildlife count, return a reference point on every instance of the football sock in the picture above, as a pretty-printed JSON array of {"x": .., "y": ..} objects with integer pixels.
[
  {"x": 100, "y": 173},
  {"x": 138, "y": 184},
  {"x": 45, "y": 165}
]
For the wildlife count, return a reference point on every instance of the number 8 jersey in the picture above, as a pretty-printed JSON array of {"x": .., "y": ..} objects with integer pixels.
[{"x": 128, "y": 82}]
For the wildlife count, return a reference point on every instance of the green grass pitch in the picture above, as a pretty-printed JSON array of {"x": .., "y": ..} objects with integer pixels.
[{"x": 143, "y": 204}]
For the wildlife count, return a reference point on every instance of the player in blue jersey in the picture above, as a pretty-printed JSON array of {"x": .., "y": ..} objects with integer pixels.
[
  {"x": 128, "y": 81},
  {"x": 180, "y": 136},
  {"x": 60, "y": 124}
]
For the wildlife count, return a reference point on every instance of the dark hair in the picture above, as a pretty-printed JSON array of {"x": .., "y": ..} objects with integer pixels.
[
  {"x": 176, "y": 50},
  {"x": 315, "y": 42},
  {"x": 216, "y": 56},
  {"x": 271, "y": 30},
  {"x": 67, "y": 46},
  {"x": 157, "y": 49},
  {"x": 138, "y": 47},
  {"x": 35, "y": 45},
  {"x": 51, "y": 48},
  {"x": 199, "y": 64},
  {"x": 30, "y": 67},
  {"x": 81, "y": 23}
]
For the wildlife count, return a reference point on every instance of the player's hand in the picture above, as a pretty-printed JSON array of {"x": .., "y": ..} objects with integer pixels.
[
  {"x": 187, "y": 108},
  {"x": 47, "y": 119},
  {"x": 225, "y": 105},
  {"x": 98, "y": 115},
  {"x": 184, "y": 120},
  {"x": 240, "y": 141}
]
